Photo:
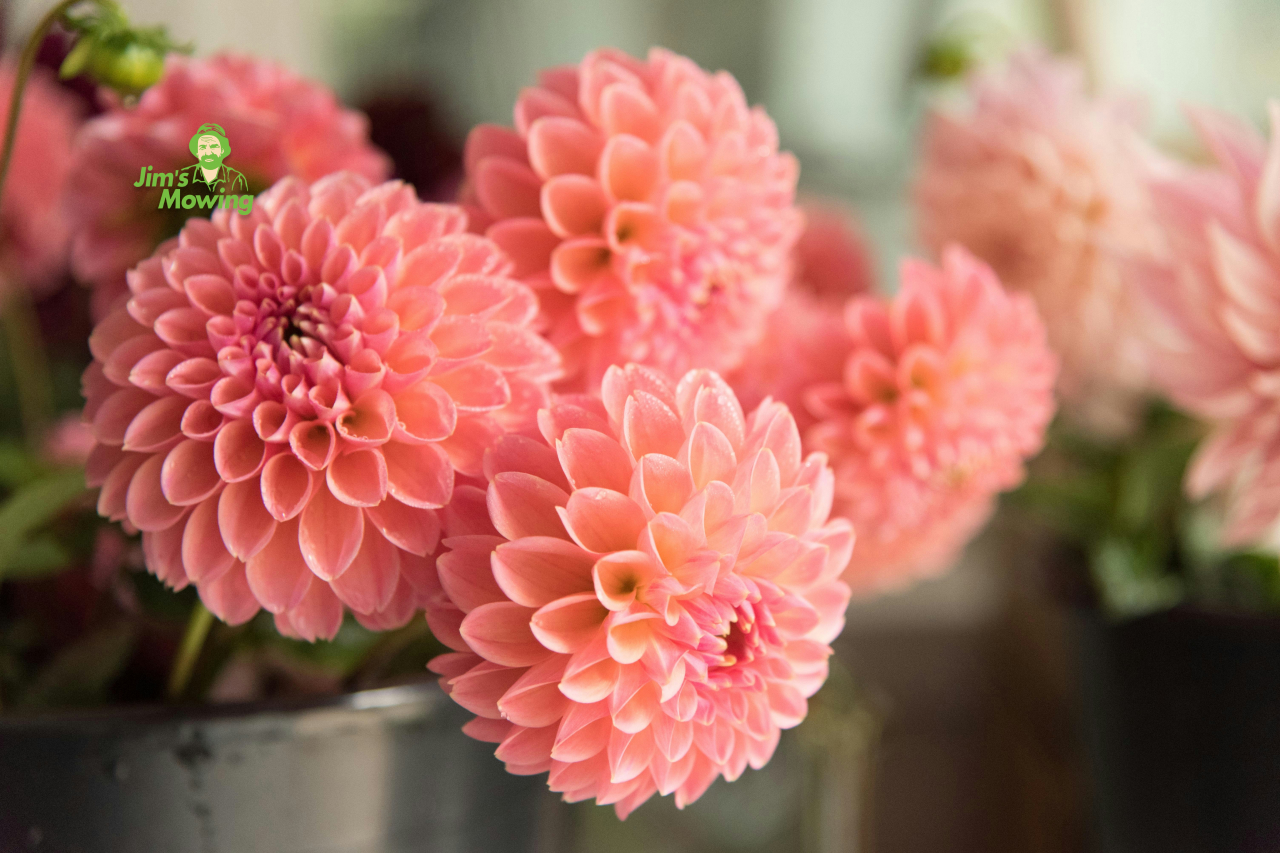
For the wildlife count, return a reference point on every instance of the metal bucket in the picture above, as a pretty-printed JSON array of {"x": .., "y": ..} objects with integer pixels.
[{"x": 380, "y": 771}]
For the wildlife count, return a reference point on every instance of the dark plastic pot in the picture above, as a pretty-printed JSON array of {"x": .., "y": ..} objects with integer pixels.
[
  {"x": 1181, "y": 715},
  {"x": 380, "y": 771}
]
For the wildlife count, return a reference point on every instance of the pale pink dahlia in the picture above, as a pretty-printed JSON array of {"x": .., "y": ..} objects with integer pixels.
[
  {"x": 806, "y": 341},
  {"x": 946, "y": 389},
  {"x": 277, "y": 124},
  {"x": 645, "y": 595},
  {"x": 283, "y": 403},
  {"x": 650, "y": 206},
  {"x": 1216, "y": 305},
  {"x": 1038, "y": 181},
  {"x": 34, "y": 231}
]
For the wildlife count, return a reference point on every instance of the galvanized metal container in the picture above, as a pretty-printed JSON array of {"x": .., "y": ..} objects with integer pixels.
[{"x": 380, "y": 771}]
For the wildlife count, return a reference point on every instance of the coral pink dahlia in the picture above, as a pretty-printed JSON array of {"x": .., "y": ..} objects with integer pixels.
[
  {"x": 946, "y": 389},
  {"x": 34, "y": 232},
  {"x": 1216, "y": 301},
  {"x": 1038, "y": 181},
  {"x": 277, "y": 124},
  {"x": 283, "y": 402},
  {"x": 649, "y": 204},
  {"x": 807, "y": 342},
  {"x": 644, "y": 597}
]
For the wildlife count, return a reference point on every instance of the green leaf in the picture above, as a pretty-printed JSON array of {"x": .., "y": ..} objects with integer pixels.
[
  {"x": 81, "y": 673},
  {"x": 34, "y": 505},
  {"x": 18, "y": 465},
  {"x": 77, "y": 59}
]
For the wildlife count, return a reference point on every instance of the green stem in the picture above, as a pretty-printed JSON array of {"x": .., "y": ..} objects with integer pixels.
[
  {"x": 25, "y": 65},
  {"x": 30, "y": 365},
  {"x": 184, "y": 663}
]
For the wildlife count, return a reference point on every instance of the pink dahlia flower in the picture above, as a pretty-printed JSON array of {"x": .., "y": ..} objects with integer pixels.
[
  {"x": 946, "y": 389},
  {"x": 807, "y": 342},
  {"x": 283, "y": 403},
  {"x": 34, "y": 231},
  {"x": 1216, "y": 302},
  {"x": 649, "y": 205},
  {"x": 278, "y": 124},
  {"x": 645, "y": 595},
  {"x": 1038, "y": 181}
]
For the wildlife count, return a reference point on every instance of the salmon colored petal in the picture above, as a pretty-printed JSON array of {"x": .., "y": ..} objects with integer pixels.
[{"x": 330, "y": 533}]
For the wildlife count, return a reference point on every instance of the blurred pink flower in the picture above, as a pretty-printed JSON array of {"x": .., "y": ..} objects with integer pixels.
[
  {"x": 34, "y": 231},
  {"x": 648, "y": 204},
  {"x": 806, "y": 342},
  {"x": 1039, "y": 181},
  {"x": 283, "y": 403},
  {"x": 645, "y": 596},
  {"x": 1215, "y": 301},
  {"x": 946, "y": 389},
  {"x": 832, "y": 257},
  {"x": 278, "y": 124},
  {"x": 69, "y": 441}
]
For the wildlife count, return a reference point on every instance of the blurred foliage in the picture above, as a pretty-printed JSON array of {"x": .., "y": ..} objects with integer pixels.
[
  {"x": 1120, "y": 509},
  {"x": 114, "y": 52}
]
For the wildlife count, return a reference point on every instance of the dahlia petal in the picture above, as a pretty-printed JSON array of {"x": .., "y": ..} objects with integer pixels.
[
  {"x": 113, "y": 497},
  {"x": 521, "y": 454},
  {"x": 228, "y": 596},
  {"x": 480, "y": 688},
  {"x": 318, "y": 616},
  {"x": 368, "y": 584},
  {"x": 500, "y": 632},
  {"x": 617, "y": 576},
  {"x": 573, "y": 205},
  {"x": 524, "y": 505},
  {"x": 528, "y": 749},
  {"x": 410, "y": 528},
  {"x": 650, "y": 426},
  {"x": 584, "y": 732},
  {"x": 672, "y": 737},
  {"x": 527, "y": 241},
  {"x": 559, "y": 145},
  {"x": 506, "y": 188},
  {"x": 112, "y": 419},
  {"x": 661, "y": 484},
  {"x": 579, "y": 263},
  {"x": 704, "y": 772},
  {"x": 204, "y": 555},
  {"x": 163, "y": 551},
  {"x": 568, "y": 624},
  {"x": 537, "y": 570},
  {"x": 629, "y": 637},
  {"x": 626, "y": 109},
  {"x": 602, "y": 520},
  {"x": 238, "y": 452},
  {"x": 418, "y": 475},
  {"x": 709, "y": 455},
  {"x": 592, "y": 459},
  {"x": 158, "y": 426},
  {"x": 628, "y": 169},
  {"x": 358, "y": 478},
  {"x": 629, "y": 754},
  {"x": 486, "y": 730},
  {"x": 424, "y": 413},
  {"x": 670, "y": 775},
  {"x": 313, "y": 443},
  {"x": 278, "y": 575},
  {"x": 370, "y": 420},
  {"x": 535, "y": 701},
  {"x": 475, "y": 387},
  {"x": 145, "y": 504},
  {"x": 490, "y": 140},
  {"x": 330, "y": 533},
  {"x": 286, "y": 486},
  {"x": 634, "y": 701},
  {"x": 591, "y": 673},
  {"x": 245, "y": 524}
]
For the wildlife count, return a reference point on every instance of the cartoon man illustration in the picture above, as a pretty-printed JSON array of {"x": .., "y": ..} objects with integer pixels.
[{"x": 210, "y": 147}]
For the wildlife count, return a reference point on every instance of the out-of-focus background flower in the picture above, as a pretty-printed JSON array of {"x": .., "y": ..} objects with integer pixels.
[{"x": 969, "y": 672}]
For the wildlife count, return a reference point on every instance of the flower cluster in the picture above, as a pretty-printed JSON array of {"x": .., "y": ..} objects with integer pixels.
[
  {"x": 283, "y": 401},
  {"x": 1038, "y": 180},
  {"x": 946, "y": 389},
  {"x": 280, "y": 124},
  {"x": 649, "y": 206},
  {"x": 644, "y": 595}
]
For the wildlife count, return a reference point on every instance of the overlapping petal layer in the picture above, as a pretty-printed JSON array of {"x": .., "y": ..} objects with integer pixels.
[
  {"x": 946, "y": 389},
  {"x": 648, "y": 204},
  {"x": 278, "y": 124},
  {"x": 643, "y": 597},
  {"x": 282, "y": 404},
  {"x": 1039, "y": 181}
]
